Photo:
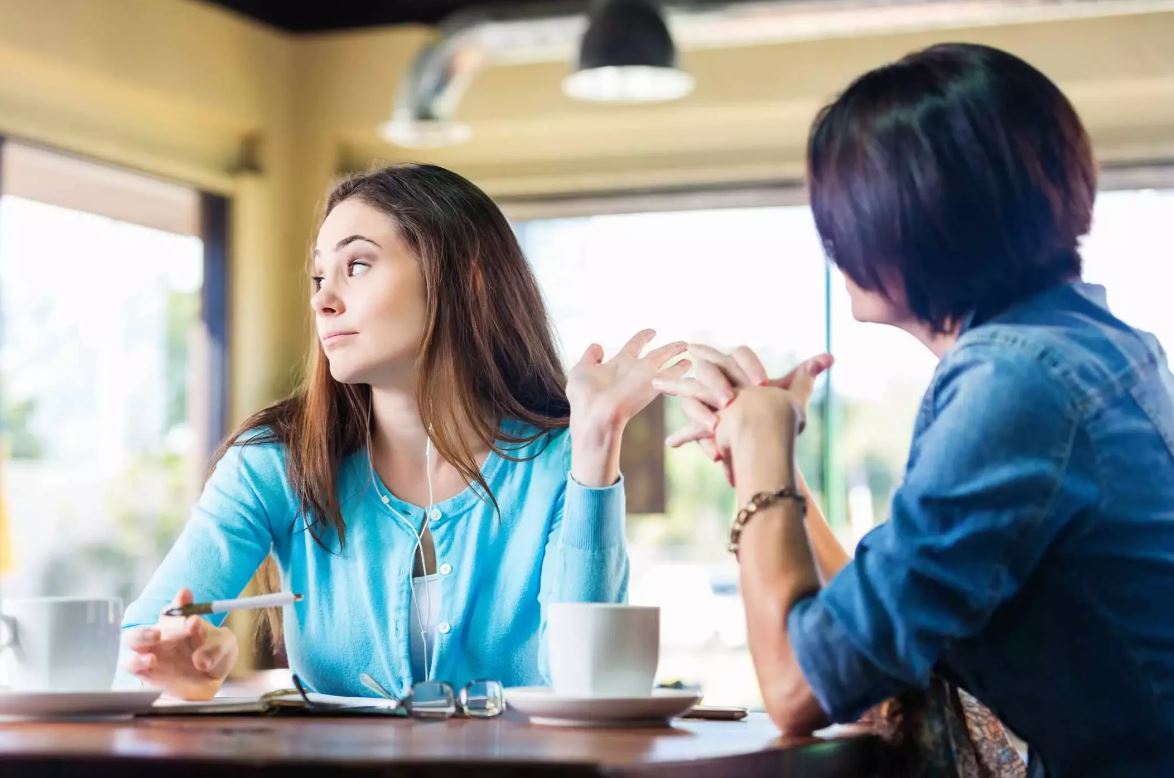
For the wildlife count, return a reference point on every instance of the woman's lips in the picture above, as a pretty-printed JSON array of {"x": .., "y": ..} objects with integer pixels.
[{"x": 335, "y": 337}]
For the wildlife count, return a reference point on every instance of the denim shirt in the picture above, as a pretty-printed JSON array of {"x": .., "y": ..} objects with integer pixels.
[{"x": 1030, "y": 553}]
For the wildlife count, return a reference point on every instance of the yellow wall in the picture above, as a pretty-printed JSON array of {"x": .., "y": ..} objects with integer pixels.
[
  {"x": 178, "y": 88},
  {"x": 175, "y": 88}
]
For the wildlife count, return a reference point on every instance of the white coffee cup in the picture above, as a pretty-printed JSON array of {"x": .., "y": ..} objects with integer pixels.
[
  {"x": 59, "y": 643},
  {"x": 602, "y": 649}
]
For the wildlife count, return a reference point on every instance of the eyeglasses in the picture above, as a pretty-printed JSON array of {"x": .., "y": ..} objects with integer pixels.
[
  {"x": 482, "y": 699},
  {"x": 429, "y": 700}
]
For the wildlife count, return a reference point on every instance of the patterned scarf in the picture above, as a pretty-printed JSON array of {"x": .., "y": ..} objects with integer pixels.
[{"x": 944, "y": 732}]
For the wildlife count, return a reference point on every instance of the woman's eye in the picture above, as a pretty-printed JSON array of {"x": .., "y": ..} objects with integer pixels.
[
  {"x": 317, "y": 282},
  {"x": 357, "y": 268}
]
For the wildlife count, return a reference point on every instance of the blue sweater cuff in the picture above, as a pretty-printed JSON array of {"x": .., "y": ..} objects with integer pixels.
[{"x": 593, "y": 517}]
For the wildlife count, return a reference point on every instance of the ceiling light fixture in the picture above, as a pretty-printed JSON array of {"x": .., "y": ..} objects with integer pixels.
[{"x": 627, "y": 55}]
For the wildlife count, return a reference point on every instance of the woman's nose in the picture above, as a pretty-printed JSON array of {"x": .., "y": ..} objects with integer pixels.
[{"x": 326, "y": 302}]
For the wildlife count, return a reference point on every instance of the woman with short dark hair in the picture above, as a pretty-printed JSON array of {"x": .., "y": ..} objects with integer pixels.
[
  {"x": 960, "y": 178},
  {"x": 1030, "y": 554}
]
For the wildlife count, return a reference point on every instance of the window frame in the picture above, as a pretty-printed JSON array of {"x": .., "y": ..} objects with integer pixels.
[{"x": 212, "y": 226}]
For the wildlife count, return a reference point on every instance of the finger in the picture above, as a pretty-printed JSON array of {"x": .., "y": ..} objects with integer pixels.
[
  {"x": 143, "y": 639},
  {"x": 716, "y": 381},
  {"x": 592, "y": 356},
  {"x": 818, "y": 364},
  {"x": 142, "y": 665},
  {"x": 208, "y": 656},
  {"x": 675, "y": 370},
  {"x": 195, "y": 630},
  {"x": 181, "y": 598},
  {"x": 784, "y": 382},
  {"x": 725, "y": 362},
  {"x": 751, "y": 365},
  {"x": 709, "y": 446},
  {"x": 170, "y": 626},
  {"x": 658, "y": 356},
  {"x": 686, "y": 434},
  {"x": 800, "y": 395},
  {"x": 729, "y": 466},
  {"x": 699, "y": 414},
  {"x": 815, "y": 365},
  {"x": 687, "y": 387},
  {"x": 637, "y": 343},
  {"x": 803, "y": 382}
]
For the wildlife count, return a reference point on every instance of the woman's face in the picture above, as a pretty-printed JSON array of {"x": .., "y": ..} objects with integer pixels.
[
  {"x": 874, "y": 307},
  {"x": 369, "y": 298}
]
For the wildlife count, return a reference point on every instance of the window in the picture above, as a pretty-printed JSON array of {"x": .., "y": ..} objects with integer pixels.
[
  {"x": 108, "y": 384},
  {"x": 1128, "y": 251},
  {"x": 881, "y": 373},
  {"x": 606, "y": 276},
  {"x": 876, "y": 387}
]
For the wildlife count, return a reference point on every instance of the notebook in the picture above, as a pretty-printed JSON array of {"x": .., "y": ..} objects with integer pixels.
[{"x": 281, "y": 702}]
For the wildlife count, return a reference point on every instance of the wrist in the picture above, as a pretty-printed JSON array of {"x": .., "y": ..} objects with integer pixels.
[
  {"x": 764, "y": 463},
  {"x": 769, "y": 414},
  {"x": 596, "y": 426},
  {"x": 595, "y": 451},
  {"x": 763, "y": 501}
]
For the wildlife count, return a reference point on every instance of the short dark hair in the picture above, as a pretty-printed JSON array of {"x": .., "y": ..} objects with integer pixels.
[{"x": 960, "y": 172}]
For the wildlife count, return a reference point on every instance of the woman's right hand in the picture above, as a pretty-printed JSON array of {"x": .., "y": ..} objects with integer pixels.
[
  {"x": 728, "y": 386},
  {"x": 186, "y": 657}
]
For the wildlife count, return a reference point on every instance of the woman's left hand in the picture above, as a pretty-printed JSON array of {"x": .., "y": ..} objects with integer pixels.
[
  {"x": 605, "y": 395},
  {"x": 732, "y": 404}
]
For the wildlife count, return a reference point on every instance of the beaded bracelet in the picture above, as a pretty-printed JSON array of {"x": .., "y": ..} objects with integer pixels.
[{"x": 759, "y": 502}]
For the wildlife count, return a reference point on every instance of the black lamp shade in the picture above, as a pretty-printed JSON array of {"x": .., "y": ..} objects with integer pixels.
[
  {"x": 623, "y": 33},
  {"x": 627, "y": 55}
]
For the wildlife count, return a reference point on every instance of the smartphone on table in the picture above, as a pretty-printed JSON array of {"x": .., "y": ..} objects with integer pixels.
[{"x": 716, "y": 713}]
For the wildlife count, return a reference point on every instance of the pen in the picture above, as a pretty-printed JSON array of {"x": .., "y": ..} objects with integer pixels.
[{"x": 243, "y": 603}]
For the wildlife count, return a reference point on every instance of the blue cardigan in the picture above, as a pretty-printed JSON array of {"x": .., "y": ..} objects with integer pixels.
[{"x": 553, "y": 541}]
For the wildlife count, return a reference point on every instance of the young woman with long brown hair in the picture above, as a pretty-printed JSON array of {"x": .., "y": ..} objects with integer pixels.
[{"x": 436, "y": 482}]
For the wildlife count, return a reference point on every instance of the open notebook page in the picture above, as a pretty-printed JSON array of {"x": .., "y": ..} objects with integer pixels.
[{"x": 274, "y": 702}]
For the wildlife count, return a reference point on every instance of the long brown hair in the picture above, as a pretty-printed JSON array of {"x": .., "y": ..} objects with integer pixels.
[{"x": 487, "y": 353}]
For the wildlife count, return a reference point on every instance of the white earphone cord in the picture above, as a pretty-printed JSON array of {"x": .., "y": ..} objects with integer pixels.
[
  {"x": 423, "y": 561},
  {"x": 419, "y": 549}
]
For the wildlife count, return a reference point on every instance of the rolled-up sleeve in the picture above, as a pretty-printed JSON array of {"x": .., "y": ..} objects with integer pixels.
[{"x": 981, "y": 502}]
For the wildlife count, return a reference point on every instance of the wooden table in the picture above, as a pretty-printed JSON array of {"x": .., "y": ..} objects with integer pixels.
[{"x": 225, "y": 747}]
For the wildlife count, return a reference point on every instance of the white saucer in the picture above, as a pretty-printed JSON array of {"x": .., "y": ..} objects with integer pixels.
[
  {"x": 67, "y": 704},
  {"x": 543, "y": 706}
]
